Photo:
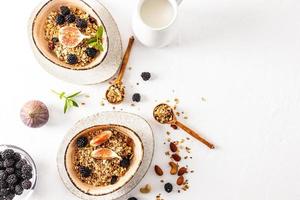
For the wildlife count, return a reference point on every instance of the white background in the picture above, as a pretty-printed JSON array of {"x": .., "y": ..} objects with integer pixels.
[{"x": 241, "y": 56}]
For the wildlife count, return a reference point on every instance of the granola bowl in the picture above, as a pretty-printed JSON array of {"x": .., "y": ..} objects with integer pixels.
[
  {"x": 76, "y": 40},
  {"x": 103, "y": 156}
]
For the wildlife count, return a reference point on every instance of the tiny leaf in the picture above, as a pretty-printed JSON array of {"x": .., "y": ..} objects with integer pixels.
[
  {"x": 66, "y": 106},
  {"x": 74, "y": 95},
  {"x": 99, "y": 33}
]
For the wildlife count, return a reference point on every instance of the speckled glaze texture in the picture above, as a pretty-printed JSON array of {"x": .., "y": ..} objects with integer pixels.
[
  {"x": 103, "y": 71},
  {"x": 132, "y": 121}
]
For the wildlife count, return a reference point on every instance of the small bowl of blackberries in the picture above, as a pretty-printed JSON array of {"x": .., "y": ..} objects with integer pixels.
[{"x": 17, "y": 173}]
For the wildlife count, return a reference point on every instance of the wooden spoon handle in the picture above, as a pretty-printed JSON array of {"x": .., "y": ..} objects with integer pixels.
[
  {"x": 125, "y": 60},
  {"x": 194, "y": 134}
]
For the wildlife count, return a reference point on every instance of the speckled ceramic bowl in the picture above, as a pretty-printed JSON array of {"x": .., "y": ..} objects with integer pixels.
[
  {"x": 133, "y": 126},
  {"x": 100, "y": 69}
]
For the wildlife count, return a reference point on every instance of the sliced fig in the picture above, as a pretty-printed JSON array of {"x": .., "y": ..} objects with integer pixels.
[
  {"x": 101, "y": 138},
  {"x": 104, "y": 154},
  {"x": 70, "y": 36}
]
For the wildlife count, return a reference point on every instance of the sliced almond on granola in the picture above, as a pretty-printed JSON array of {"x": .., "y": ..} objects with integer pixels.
[
  {"x": 104, "y": 154},
  {"x": 101, "y": 138}
]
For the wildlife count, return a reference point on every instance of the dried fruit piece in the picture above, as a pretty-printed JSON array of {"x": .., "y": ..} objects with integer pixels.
[
  {"x": 104, "y": 154},
  {"x": 158, "y": 170},
  {"x": 145, "y": 189},
  {"x": 180, "y": 180},
  {"x": 173, "y": 147},
  {"x": 176, "y": 157},
  {"x": 101, "y": 138},
  {"x": 174, "y": 168},
  {"x": 182, "y": 171}
]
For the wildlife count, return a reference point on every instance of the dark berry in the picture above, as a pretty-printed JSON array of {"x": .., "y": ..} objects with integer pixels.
[
  {"x": 1, "y": 164},
  {"x": 132, "y": 198},
  {"x": 85, "y": 171},
  {"x": 26, "y": 184},
  {"x": 146, "y": 76},
  {"x": 18, "y": 190},
  {"x": 81, "y": 23},
  {"x": 18, "y": 173},
  {"x": 51, "y": 45},
  {"x": 9, "y": 163},
  {"x": 20, "y": 163},
  {"x": 64, "y": 10},
  {"x": 168, "y": 187},
  {"x": 4, "y": 192},
  {"x": 72, "y": 59},
  {"x": 3, "y": 175},
  {"x": 136, "y": 97},
  {"x": 1, "y": 159},
  {"x": 125, "y": 162},
  {"x": 55, "y": 39},
  {"x": 3, "y": 184},
  {"x": 60, "y": 19},
  {"x": 91, "y": 52},
  {"x": 26, "y": 169},
  {"x": 92, "y": 19},
  {"x": 26, "y": 176},
  {"x": 17, "y": 156},
  {"x": 12, "y": 179},
  {"x": 113, "y": 180},
  {"x": 10, "y": 196},
  {"x": 7, "y": 154},
  {"x": 81, "y": 142},
  {"x": 10, "y": 170},
  {"x": 70, "y": 18}
]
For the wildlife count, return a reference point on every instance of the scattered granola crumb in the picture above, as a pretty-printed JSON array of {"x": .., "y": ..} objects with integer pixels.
[
  {"x": 168, "y": 133},
  {"x": 203, "y": 99}
]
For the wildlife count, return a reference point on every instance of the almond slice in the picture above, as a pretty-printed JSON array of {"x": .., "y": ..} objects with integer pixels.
[
  {"x": 104, "y": 154},
  {"x": 101, "y": 138}
]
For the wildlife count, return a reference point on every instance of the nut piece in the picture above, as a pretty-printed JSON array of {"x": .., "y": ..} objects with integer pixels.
[
  {"x": 173, "y": 147},
  {"x": 182, "y": 170},
  {"x": 101, "y": 138},
  {"x": 158, "y": 170},
  {"x": 176, "y": 157},
  {"x": 174, "y": 168},
  {"x": 146, "y": 189},
  {"x": 104, "y": 154},
  {"x": 180, "y": 180}
]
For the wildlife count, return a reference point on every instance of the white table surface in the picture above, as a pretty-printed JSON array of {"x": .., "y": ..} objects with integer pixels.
[{"x": 241, "y": 56}]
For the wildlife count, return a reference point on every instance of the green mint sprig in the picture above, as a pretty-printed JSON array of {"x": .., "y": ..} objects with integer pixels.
[
  {"x": 69, "y": 99},
  {"x": 96, "y": 41}
]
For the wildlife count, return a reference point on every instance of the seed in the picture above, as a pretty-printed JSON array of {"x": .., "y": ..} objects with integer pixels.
[
  {"x": 173, "y": 147},
  {"x": 168, "y": 187},
  {"x": 158, "y": 170},
  {"x": 145, "y": 189},
  {"x": 182, "y": 171},
  {"x": 176, "y": 157},
  {"x": 180, "y": 180},
  {"x": 174, "y": 168}
]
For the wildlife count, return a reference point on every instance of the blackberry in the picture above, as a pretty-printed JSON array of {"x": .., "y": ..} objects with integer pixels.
[
  {"x": 168, "y": 187},
  {"x": 81, "y": 23},
  {"x": 146, "y": 76},
  {"x": 1, "y": 159},
  {"x": 136, "y": 97},
  {"x": 81, "y": 142},
  {"x": 3, "y": 175},
  {"x": 7, "y": 154},
  {"x": 55, "y": 40},
  {"x": 72, "y": 59},
  {"x": 3, "y": 184},
  {"x": 91, "y": 52},
  {"x": 132, "y": 198},
  {"x": 125, "y": 162},
  {"x": 60, "y": 19},
  {"x": 70, "y": 18},
  {"x": 9, "y": 163},
  {"x": 26, "y": 176},
  {"x": 113, "y": 180},
  {"x": 10, "y": 196},
  {"x": 26, "y": 184},
  {"x": 26, "y": 169},
  {"x": 18, "y": 190},
  {"x": 12, "y": 179},
  {"x": 92, "y": 19},
  {"x": 20, "y": 164},
  {"x": 10, "y": 170},
  {"x": 4, "y": 192},
  {"x": 17, "y": 156},
  {"x": 18, "y": 173},
  {"x": 1, "y": 164},
  {"x": 64, "y": 10},
  {"x": 85, "y": 171}
]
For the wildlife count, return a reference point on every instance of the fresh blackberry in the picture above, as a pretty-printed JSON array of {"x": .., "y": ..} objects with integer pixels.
[
  {"x": 81, "y": 142},
  {"x": 136, "y": 97},
  {"x": 4, "y": 192},
  {"x": 10, "y": 170},
  {"x": 132, "y": 198},
  {"x": 146, "y": 76},
  {"x": 1, "y": 159},
  {"x": 26, "y": 184},
  {"x": 64, "y": 10},
  {"x": 60, "y": 19},
  {"x": 3, "y": 184},
  {"x": 81, "y": 23},
  {"x": 1, "y": 164},
  {"x": 18, "y": 173},
  {"x": 3, "y": 175},
  {"x": 125, "y": 162},
  {"x": 17, "y": 156},
  {"x": 12, "y": 179},
  {"x": 72, "y": 59},
  {"x": 55, "y": 40},
  {"x": 9, "y": 163},
  {"x": 7, "y": 154},
  {"x": 18, "y": 190},
  {"x": 10, "y": 196},
  {"x": 168, "y": 187},
  {"x": 2, "y": 198},
  {"x": 26, "y": 176},
  {"x": 113, "y": 180},
  {"x": 20, "y": 163},
  {"x": 26, "y": 169},
  {"x": 70, "y": 18},
  {"x": 91, "y": 52},
  {"x": 85, "y": 171}
]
